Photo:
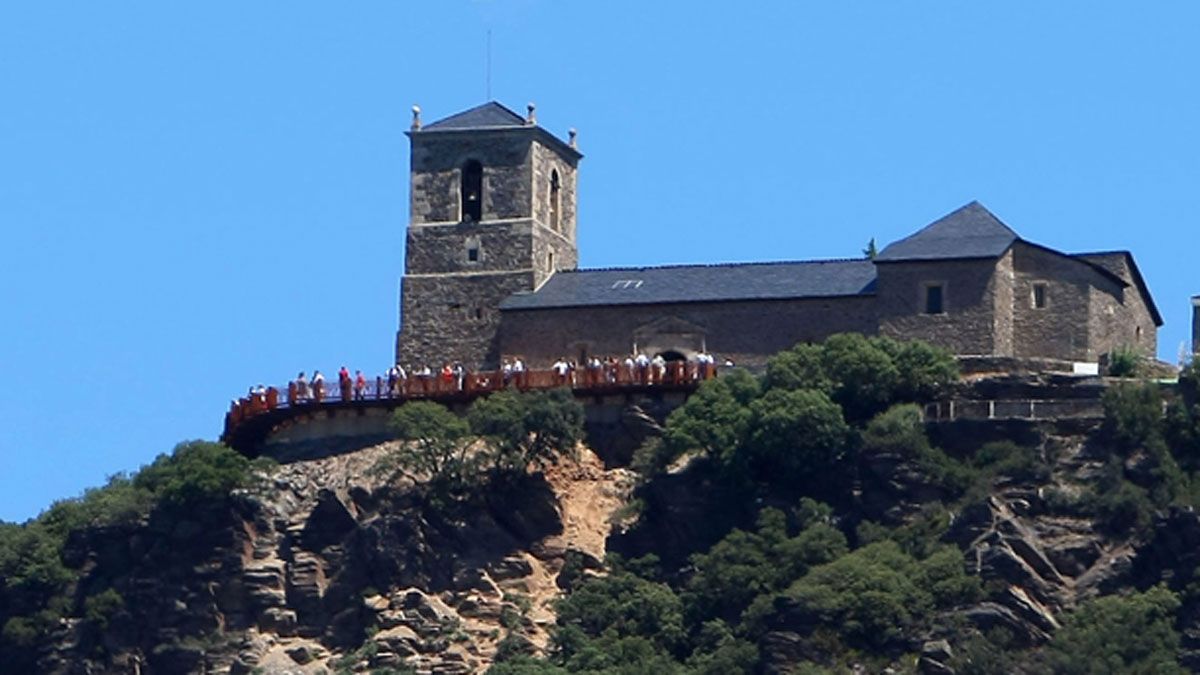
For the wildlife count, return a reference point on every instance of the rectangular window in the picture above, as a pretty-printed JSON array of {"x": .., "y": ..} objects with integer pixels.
[
  {"x": 935, "y": 301},
  {"x": 1039, "y": 296},
  {"x": 472, "y": 254}
]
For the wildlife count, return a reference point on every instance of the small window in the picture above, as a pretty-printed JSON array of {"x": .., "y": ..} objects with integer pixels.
[
  {"x": 555, "y": 201},
  {"x": 1039, "y": 296},
  {"x": 550, "y": 261},
  {"x": 472, "y": 191},
  {"x": 478, "y": 312},
  {"x": 473, "y": 254},
  {"x": 1138, "y": 333},
  {"x": 627, "y": 283},
  {"x": 935, "y": 300}
]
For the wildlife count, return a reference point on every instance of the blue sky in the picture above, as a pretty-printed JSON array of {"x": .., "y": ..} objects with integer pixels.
[{"x": 194, "y": 199}]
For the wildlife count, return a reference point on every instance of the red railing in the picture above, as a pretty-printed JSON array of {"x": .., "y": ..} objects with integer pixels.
[{"x": 598, "y": 380}]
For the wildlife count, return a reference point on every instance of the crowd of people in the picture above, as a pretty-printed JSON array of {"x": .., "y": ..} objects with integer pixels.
[{"x": 418, "y": 382}]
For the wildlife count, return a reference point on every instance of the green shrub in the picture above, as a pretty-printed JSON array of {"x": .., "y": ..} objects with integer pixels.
[
  {"x": 714, "y": 420},
  {"x": 926, "y": 372},
  {"x": 801, "y": 367},
  {"x": 874, "y": 595},
  {"x": 1133, "y": 416},
  {"x": 619, "y": 606},
  {"x": 1115, "y": 634},
  {"x": 437, "y": 444},
  {"x": 745, "y": 565},
  {"x": 877, "y": 594},
  {"x": 100, "y": 608},
  {"x": 794, "y": 436},
  {"x": 864, "y": 375},
  {"x": 900, "y": 431},
  {"x": 1018, "y": 462},
  {"x": 1122, "y": 508},
  {"x": 1124, "y": 361},
  {"x": 527, "y": 428},
  {"x": 195, "y": 472}
]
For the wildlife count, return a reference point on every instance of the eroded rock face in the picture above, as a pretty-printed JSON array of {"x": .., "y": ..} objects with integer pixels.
[{"x": 323, "y": 566}]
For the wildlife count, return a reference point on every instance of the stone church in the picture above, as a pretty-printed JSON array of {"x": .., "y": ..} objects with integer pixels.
[{"x": 491, "y": 273}]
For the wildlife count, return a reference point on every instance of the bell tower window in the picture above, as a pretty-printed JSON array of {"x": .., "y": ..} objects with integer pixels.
[
  {"x": 472, "y": 191},
  {"x": 555, "y": 202}
]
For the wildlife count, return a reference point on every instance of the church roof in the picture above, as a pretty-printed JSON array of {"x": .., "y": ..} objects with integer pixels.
[
  {"x": 969, "y": 232},
  {"x": 490, "y": 115},
  {"x": 700, "y": 283}
]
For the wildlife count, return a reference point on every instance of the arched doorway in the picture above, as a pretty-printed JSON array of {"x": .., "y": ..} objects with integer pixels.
[{"x": 672, "y": 355}]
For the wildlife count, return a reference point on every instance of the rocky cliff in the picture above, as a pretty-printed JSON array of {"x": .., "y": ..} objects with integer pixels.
[{"x": 321, "y": 565}]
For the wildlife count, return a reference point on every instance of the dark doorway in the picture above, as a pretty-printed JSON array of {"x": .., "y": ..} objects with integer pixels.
[{"x": 672, "y": 355}]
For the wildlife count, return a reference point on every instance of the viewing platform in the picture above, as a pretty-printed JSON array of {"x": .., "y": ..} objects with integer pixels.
[{"x": 252, "y": 419}]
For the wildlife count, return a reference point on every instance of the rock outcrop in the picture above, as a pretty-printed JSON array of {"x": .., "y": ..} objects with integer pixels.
[{"x": 322, "y": 566}]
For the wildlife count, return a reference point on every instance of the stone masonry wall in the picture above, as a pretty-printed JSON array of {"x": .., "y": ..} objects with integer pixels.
[
  {"x": 545, "y": 160},
  {"x": 552, "y": 252},
  {"x": 437, "y": 161},
  {"x": 1061, "y": 330},
  {"x": 1116, "y": 314},
  {"x": 454, "y": 318},
  {"x": 1003, "y": 312},
  {"x": 747, "y": 332},
  {"x": 440, "y": 249},
  {"x": 968, "y": 325}
]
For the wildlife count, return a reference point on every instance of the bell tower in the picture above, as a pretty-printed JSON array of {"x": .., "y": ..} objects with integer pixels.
[{"x": 491, "y": 212}]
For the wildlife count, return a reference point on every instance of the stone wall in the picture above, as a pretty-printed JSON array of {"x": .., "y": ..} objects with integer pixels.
[
  {"x": 968, "y": 324},
  {"x": 447, "y": 318},
  {"x": 437, "y": 161},
  {"x": 1126, "y": 307},
  {"x": 747, "y": 331},
  {"x": 1062, "y": 329},
  {"x": 442, "y": 249},
  {"x": 545, "y": 161},
  {"x": 1003, "y": 305}
]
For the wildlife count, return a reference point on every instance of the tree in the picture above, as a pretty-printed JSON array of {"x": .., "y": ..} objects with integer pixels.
[
  {"x": 437, "y": 443},
  {"x": 745, "y": 565},
  {"x": 714, "y": 420},
  {"x": 878, "y": 593},
  {"x": 527, "y": 428},
  {"x": 794, "y": 435},
  {"x": 801, "y": 367},
  {"x": 618, "y": 606},
  {"x": 863, "y": 374},
  {"x": 196, "y": 472},
  {"x": 1115, "y": 634}
]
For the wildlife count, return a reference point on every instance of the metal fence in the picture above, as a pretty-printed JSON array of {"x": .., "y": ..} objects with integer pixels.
[{"x": 1013, "y": 409}]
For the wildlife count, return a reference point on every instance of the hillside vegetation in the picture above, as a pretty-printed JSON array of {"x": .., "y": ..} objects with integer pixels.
[{"x": 802, "y": 520}]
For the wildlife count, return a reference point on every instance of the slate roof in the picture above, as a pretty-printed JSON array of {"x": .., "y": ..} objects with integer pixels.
[
  {"x": 969, "y": 232},
  {"x": 700, "y": 283},
  {"x": 490, "y": 115}
]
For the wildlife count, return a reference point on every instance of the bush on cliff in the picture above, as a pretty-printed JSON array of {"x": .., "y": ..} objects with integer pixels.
[
  {"x": 521, "y": 429},
  {"x": 877, "y": 594},
  {"x": 502, "y": 434},
  {"x": 196, "y": 472},
  {"x": 1119, "y": 634},
  {"x": 436, "y": 444}
]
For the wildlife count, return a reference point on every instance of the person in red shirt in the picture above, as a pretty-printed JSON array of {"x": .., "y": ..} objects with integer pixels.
[{"x": 360, "y": 386}]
